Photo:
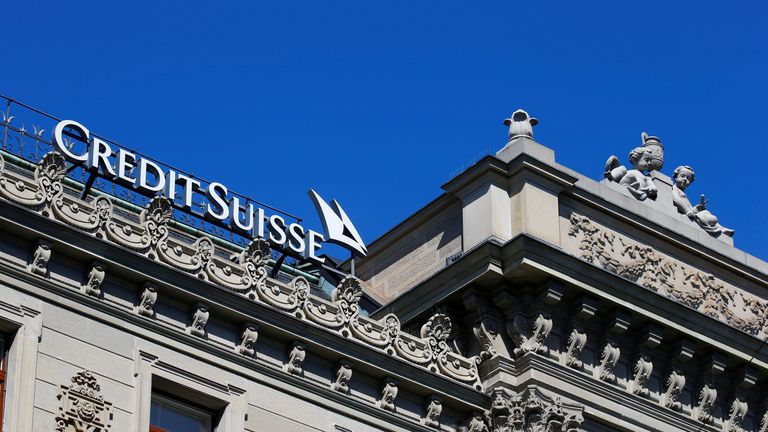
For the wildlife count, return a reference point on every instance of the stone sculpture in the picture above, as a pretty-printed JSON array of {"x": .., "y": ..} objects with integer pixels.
[
  {"x": 95, "y": 278},
  {"x": 433, "y": 410},
  {"x": 388, "y": 395},
  {"x": 684, "y": 176},
  {"x": 520, "y": 124},
  {"x": 343, "y": 376},
  {"x": 82, "y": 407},
  {"x": 40, "y": 257},
  {"x": 199, "y": 320},
  {"x": 642, "y": 373},
  {"x": 296, "y": 355},
  {"x": 675, "y": 384},
  {"x": 248, "y": 339},
  {"x": 646, "y": 158},
  {"x": 147, "y": 300}
]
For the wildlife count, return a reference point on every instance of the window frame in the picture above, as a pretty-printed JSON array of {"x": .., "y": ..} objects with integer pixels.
[{"x": 182, "y": 406}]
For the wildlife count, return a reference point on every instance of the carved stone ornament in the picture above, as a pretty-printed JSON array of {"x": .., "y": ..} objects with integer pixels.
[
  {"x": 530, "y": 336},
  {"x": 736, "y": 414},
  {"x": 388, "y": 394},
  {"x": 147, "y": 300},
  {"x": 296, "y": 355},
  {"x": 432, "y": 413},
  {"x": 477, "y": 423},
  {"x": 674, "y": 386},
  {"x": 683, "y": 177},
  {"x": 677, "y": 281},
  {"x": 532, "y": 410},
  {"x": 199, "y": 320},
  {"x": 486, "y": 331},
  {"x": 82, "y": 407},
  {"x": 95, "y": 278},
  {"x": 520, "y": 124},
  {"x": 705, "y": 403},
  {"x": 608, "y": 359},
  {"x": 248, "y": 338},
  {"x": 245, "y": 273},
  {"x": 576, "y": 342},
  {"x": 648, "y": 157},
  {"x": 764, "y": 422},
  {"x": 641, "y": 374},
  {"x": 342, "y": 377},
  {"x": 40, "y": 257}
]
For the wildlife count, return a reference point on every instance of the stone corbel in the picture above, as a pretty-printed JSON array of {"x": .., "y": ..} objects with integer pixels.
[
  {"x": 38, "y": 263},
  {"x": 248, "y": 338},
  {"x": 296, "y": 355},
  {"x": 147, "y": 300},
  {"x": 478, "y": 422},
  {"x": 707, "y": 394},
  {"x": 674, "y": 386},
  {"x": 433, "y": 409},
  {"x": 486, "y": 323},
  {"x": 389, "y": 392},
  {"x": 342, "y": 377},
  {"x": 641, "y": 374},
  {"x": 577, "y": 339},
  {"x": 764, "y": 420},
  {"x": 736, "y": 414},
  {"x": 94, "y": 279},
  {"x": 199, "y": 320},
  {"x": 609, "y": 357}
]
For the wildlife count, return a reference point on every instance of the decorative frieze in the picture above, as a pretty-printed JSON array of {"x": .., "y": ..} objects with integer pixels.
[
  {"x": 82, "y": 407},
  {"x": 677, "y": 281},
  {"x": 245, "y": 274},
  {"x": 248, "y": 337}
]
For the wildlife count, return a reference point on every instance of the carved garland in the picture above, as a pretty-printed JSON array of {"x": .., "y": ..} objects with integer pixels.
[
  {"x": 246, "y": 273},
  {"x": 641, "y": 264}
]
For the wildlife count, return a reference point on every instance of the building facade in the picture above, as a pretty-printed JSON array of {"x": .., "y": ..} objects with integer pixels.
[{"x": 526, "y": 297}]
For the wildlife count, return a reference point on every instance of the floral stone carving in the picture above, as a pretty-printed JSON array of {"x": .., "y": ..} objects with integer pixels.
[
  {"x": 82, "y": 407},
  {"x": 677, "y": 281},
  {"x": 532, "y": 410}
]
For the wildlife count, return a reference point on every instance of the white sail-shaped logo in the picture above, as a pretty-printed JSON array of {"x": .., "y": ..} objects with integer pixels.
[{"x": 338, "y": 228}]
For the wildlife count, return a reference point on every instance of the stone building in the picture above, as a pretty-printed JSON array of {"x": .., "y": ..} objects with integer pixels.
[{"x": 526, "y": 297}]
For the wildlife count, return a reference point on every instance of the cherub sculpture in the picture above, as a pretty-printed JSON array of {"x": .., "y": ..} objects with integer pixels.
[
  {"x": 684, "y": 176},
  {"x": 648, "y": 157}
]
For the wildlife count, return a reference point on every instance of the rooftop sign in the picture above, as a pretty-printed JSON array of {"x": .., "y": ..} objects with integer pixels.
[{"x": 149, "y": 177}]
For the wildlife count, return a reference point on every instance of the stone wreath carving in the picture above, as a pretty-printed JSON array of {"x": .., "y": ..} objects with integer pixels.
[
  {"x": 82, "y": 407},
  {"x": 531, "y": 410},
  {"x": 643, "y": 265},
  {"x": 245, "y": 273}
]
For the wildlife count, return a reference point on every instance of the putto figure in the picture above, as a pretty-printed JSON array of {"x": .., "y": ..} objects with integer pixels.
[
  {"x": 648, "y": 157},
  {"x": 683, "y": 177}
]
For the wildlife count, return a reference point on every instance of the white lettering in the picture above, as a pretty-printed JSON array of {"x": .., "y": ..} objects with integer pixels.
[
  {"x": 190, "y": 186},
  {"x": 60, "y": 143},
  {"x": 98, "y": 157},
  {"x": 277, "y": 229},
  {"x": 313, "y": 245},
  {"x": 217, "y": 205},
  {"x": 235, "y": 209},
  {"x": 145, "y": 165},
  {"x": 296, "y": 237},
  {"x": 126, "y": 162}
]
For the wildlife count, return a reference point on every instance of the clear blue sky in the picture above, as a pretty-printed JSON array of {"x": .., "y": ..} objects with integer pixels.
[{"x": 379, "y": 103}]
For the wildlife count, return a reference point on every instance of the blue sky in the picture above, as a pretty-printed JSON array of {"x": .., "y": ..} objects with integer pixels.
[{"x": 378, "y": 103}]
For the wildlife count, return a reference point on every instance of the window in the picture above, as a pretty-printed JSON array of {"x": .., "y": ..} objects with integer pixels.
[
  {"x": 3, "y": 371},
  {"x": 169, "y": 415}
]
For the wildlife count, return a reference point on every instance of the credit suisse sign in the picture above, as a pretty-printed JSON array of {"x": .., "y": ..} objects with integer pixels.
[{"x": 148, "y": 177}]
